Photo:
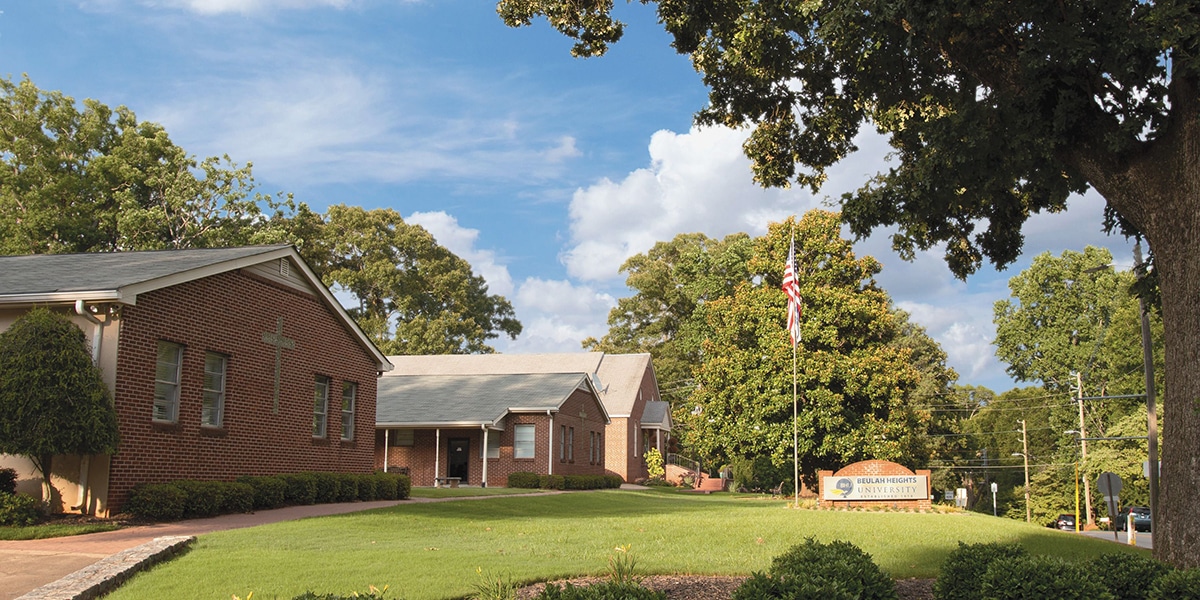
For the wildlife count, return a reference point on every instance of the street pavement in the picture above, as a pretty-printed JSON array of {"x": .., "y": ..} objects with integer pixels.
[{"x": 1144, "y": 538}]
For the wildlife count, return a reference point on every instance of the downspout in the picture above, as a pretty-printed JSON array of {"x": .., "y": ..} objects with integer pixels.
[
  {"x": 485, "y": 456},
  {"x": 550, "y": 461},
  {"x": 385, "y": 449},
  {"x": 85, "y": 461},
  {"x": 437, "y": 455}
]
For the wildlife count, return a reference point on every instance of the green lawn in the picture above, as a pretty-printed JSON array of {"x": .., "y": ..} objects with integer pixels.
[
  {"x": 462, "y": 492},
  {"x": 433, "y": 550},
  {"x": 53, "y": 530}
]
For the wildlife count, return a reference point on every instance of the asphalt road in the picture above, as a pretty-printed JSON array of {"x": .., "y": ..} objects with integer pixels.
[{"x": 1144, "y": 538}]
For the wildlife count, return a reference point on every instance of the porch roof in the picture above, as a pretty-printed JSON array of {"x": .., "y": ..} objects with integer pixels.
[{"x": 472, "y": 400}]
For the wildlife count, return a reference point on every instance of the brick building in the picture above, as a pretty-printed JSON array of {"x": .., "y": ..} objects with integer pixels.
[
  {"x": 222, "y": 362},
  {"x": 625, "y": 384},
  {"x": 442, "y": 426}
]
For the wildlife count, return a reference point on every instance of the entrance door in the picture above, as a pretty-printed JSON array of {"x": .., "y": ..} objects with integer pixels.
[{"x": 456, "y": 463}]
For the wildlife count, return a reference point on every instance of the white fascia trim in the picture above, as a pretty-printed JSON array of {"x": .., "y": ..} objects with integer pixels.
[
  {"x": 206, "y": 271},
  {"x": 440, "y": 425},
  {"x": 63, "y": 297}
]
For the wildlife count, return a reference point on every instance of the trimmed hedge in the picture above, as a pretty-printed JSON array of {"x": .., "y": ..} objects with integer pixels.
[
  {"x": 524, "y": 480},
  {"x": 269, "y": 490},
  {"x": 964, "y": 568},
  {"x": 1177, "y": 585},
  {"x": 1128, "y": 576},
  {"x": 552, "y": 482},
  {"x": 1038, "y": 576},
  {"x": 196, "y": 499}
]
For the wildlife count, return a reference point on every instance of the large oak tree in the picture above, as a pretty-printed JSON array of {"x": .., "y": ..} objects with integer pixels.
[{"x": 996, "y": 111}]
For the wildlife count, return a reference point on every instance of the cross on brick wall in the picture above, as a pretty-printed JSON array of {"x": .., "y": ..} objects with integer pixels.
[{"x": 275, "y": 338}]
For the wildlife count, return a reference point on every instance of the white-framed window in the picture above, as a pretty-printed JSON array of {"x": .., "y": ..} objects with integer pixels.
[
  {"x": 349, "y": 391},
  {"x": 523, "y": 441},
  {"x": 493, "y": 444},
  {"x": 562, "y": 443},
  {"x": 212, "y": 408},
  {"x": 591, "y": 447},
  {"x": 400, "y": 437},
  {"x": 320, "y": 406},
  {"x": 571, "y": 445},
  {"x": 166, "y": 382}
]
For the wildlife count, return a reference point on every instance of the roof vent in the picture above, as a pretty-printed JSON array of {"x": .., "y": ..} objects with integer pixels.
[{"x": 285, "y": 267}]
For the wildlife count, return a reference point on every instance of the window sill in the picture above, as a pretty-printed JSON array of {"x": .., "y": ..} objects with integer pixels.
[{"x": 210, "y": 431}]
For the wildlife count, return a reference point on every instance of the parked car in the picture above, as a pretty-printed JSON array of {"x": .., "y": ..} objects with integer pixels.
[
  {"x": 1065, "y": 522},
  {"x": 1141, "y": 518}
]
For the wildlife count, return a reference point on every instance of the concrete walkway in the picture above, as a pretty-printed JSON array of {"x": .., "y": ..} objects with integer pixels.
[{"x": 29, "y": 564}]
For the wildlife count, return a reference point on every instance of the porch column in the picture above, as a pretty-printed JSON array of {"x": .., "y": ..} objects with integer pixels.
[
  {"x": 385, "y": 449},
  {"x": 550, "y": 461},
  {"x": 485, "y": 456},
  {"x": 437, "y": 455},
  {"x": 658, "y": 440}
]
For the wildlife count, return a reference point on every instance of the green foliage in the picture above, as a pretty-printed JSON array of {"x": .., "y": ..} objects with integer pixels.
[
  {"x": 237, "y": 497},
  {"x": 301, "y": 488},
  {"x": 854, "y": 382},
  {"x": 492, "y": 586},
  {"x": 157, "y": 502},
  {"x": 114, "y": 183},
  {"x": 758, "y": 473},
  {"x": 347, "y": 487},
  {"x": 372, "y": 593},
  {"x": 403, "y": 486},
  {"x": 622, "y": 566},
  {"x": 814, "y": 570},
  {"x": 1032, "y": 576},
  {"x": 8, "y": 481},
  {"x": 53, "y": 399},
  {"x": 414, "y": 296},
  {"x": 962, "y": 573},
  {"x": 269, "y": 490},
  {"x": 387, "y": 486},
  {"x": 1183, "y": 584},
  {"x": 654, "y": 464},
  {"x": 327, "y": 487},
  {"x": 524, "y": 479},
  {"x": 366, "y": 487},
  {"x": 1127, "y": 576},
  {"x": 552, "y": 482},
  {"x": 608, "y": 590},
  {"x": 20, "y": 510}
]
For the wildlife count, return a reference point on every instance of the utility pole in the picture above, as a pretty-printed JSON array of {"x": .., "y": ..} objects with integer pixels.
[
  {"x": 1087, "y": 485},
  {"x": 1151, "y": 409},
  {"x": 1025, "y": 455}
]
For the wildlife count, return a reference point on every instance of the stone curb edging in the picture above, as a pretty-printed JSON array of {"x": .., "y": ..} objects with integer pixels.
[{"x": 104, "y": 576}]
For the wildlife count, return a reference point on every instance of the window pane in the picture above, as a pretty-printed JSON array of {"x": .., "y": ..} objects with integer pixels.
[
  {"x": 166, "y": 382},
  {"x": 320, "y": 405},
  {"x": 348, "y": 392},
  {"x": 213, "y": 406},
  {"x": 523, "y": 441}
]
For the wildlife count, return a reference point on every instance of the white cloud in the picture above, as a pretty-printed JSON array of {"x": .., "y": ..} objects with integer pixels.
[
  {"x": 216, "y": 7},
  {"x": 557, "y": 315},
  {"x": 462, "y": 241}
]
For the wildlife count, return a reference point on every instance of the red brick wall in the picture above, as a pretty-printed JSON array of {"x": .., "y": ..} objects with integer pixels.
[
  {"x": 228, "y": 313},
  {"x": 879, "y": 468},
  {"x": 624, "y": 459},
  {"x": 420, "y": 457}
]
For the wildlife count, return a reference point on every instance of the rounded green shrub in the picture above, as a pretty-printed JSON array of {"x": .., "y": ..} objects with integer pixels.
[
  {"x": 403, "y": 486},
  {"x": 1177, "y": 585},
  {"x": 204, "y": 498},
  {"x": 1127, "y": 576},
  {"x": 760, "y": 586},
  {"x": 20, "y": 510},
  {"x": 839, "y": 563},
  {"x": 327, "y": 488},
  {"x": 157, "y": 502},
  {"x": 237, "y": 497},
  {"x": 1029, "y": 576},
  {"x": 551, "y": 482},
  {"x": 347, "y": 487},
  {"x": 269, "y": 491},
  {"x": 524, "y": 480},
  {"x": 301, "y": 488},
  {"x": 964, "y": 568},
  {"x": 386, "y": 486},
  {"x": 366, "y": 487}
]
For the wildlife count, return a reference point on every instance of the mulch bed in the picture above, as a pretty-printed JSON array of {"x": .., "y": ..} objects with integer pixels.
[{"x": 717, "y": 587}]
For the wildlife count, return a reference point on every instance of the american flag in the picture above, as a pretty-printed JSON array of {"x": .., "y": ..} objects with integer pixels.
[{"x": 791, "y": 287}]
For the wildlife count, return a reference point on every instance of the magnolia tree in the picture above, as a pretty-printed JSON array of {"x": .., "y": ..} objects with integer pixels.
[{"x": 53, "y": 400}]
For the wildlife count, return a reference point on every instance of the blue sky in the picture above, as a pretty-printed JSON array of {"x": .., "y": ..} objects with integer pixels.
[{"x": 544, "y": 171}]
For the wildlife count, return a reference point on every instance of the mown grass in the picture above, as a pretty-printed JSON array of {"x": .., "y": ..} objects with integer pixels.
[
  {"x": 53, "y": 530},
  {"x": 465, "y": 492},
  {"x": 433, "y": 550}
]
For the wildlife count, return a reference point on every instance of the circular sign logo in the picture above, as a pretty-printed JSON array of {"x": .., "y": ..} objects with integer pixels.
[{"x": 844, "y": 486}]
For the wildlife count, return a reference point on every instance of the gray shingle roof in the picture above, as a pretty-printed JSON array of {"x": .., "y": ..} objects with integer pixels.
[
  {"x": 620, "y": 375},
  {"x": 102, "y": 271},
  {"x": 429, "y": 400},
  {"x": 656, "y": 414}
]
